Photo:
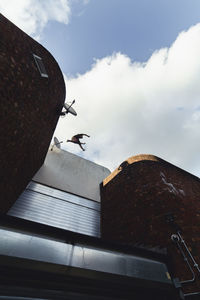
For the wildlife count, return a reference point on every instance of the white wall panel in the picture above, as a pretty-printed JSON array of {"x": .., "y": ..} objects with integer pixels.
[{"x": 71, "y": 173}]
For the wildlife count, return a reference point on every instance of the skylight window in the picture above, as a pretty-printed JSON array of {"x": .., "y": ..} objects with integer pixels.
[{"x": 40, "y": 66}]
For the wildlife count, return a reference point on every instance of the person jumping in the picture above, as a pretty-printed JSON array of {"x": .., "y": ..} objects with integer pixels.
[{"x": 75, "y": 139}]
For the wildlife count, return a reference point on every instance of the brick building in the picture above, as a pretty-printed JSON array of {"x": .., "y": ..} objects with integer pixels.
[
  {"x": 32, "y": 92},
  {"x": 147, "y": 200}
]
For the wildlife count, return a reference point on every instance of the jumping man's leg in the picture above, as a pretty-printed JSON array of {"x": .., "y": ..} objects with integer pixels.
[{"x": 80, "y": 144}]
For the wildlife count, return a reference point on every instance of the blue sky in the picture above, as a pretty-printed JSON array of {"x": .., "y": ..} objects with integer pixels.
[
  {"x": 133, "y": 67},
  {"x": 133, "y": 27}
]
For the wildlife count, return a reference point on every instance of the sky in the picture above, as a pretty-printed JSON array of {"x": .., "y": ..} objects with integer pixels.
[{"x": 133, "y": 67}]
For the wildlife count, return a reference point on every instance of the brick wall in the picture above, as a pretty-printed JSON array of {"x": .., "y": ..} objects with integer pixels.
[
  {"x": 136, "y": 198},
  {"x": 29, "y": 109}
]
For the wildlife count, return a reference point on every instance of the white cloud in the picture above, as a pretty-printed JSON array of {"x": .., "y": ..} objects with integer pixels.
[
  {"x": 130, "y": 108},
  {"x": 32, "y": 15}
]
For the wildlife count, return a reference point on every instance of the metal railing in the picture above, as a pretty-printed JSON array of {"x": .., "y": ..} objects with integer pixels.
[{"x": 178, "y": 239}]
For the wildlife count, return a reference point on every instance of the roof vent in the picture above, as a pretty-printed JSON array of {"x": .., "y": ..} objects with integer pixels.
[{"x": 40, "y": 66}]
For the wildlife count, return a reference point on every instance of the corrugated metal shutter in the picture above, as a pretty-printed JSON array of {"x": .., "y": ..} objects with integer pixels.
[{"x": 49, "y": 206}]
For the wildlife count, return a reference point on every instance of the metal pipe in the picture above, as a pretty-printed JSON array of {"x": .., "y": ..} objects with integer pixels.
[
  {"x": 189, "y": 253},
  {"x": 189, "y": 266},
  {"x": 191, "y": 294},
  {"x": 175, "y": 238}
]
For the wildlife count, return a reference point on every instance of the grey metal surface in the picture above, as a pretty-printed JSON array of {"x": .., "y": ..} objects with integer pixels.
[
  {"x": 49, "y": 295},
  {"x": 49, "y": 206},
  {"x": 21, "y": 245},
  {"x": 118, "y": 263},
  {"x": 19, "y": 298}
]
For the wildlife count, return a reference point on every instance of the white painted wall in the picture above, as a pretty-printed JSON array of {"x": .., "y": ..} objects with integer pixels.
[{"x": 71, "y": 173}]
